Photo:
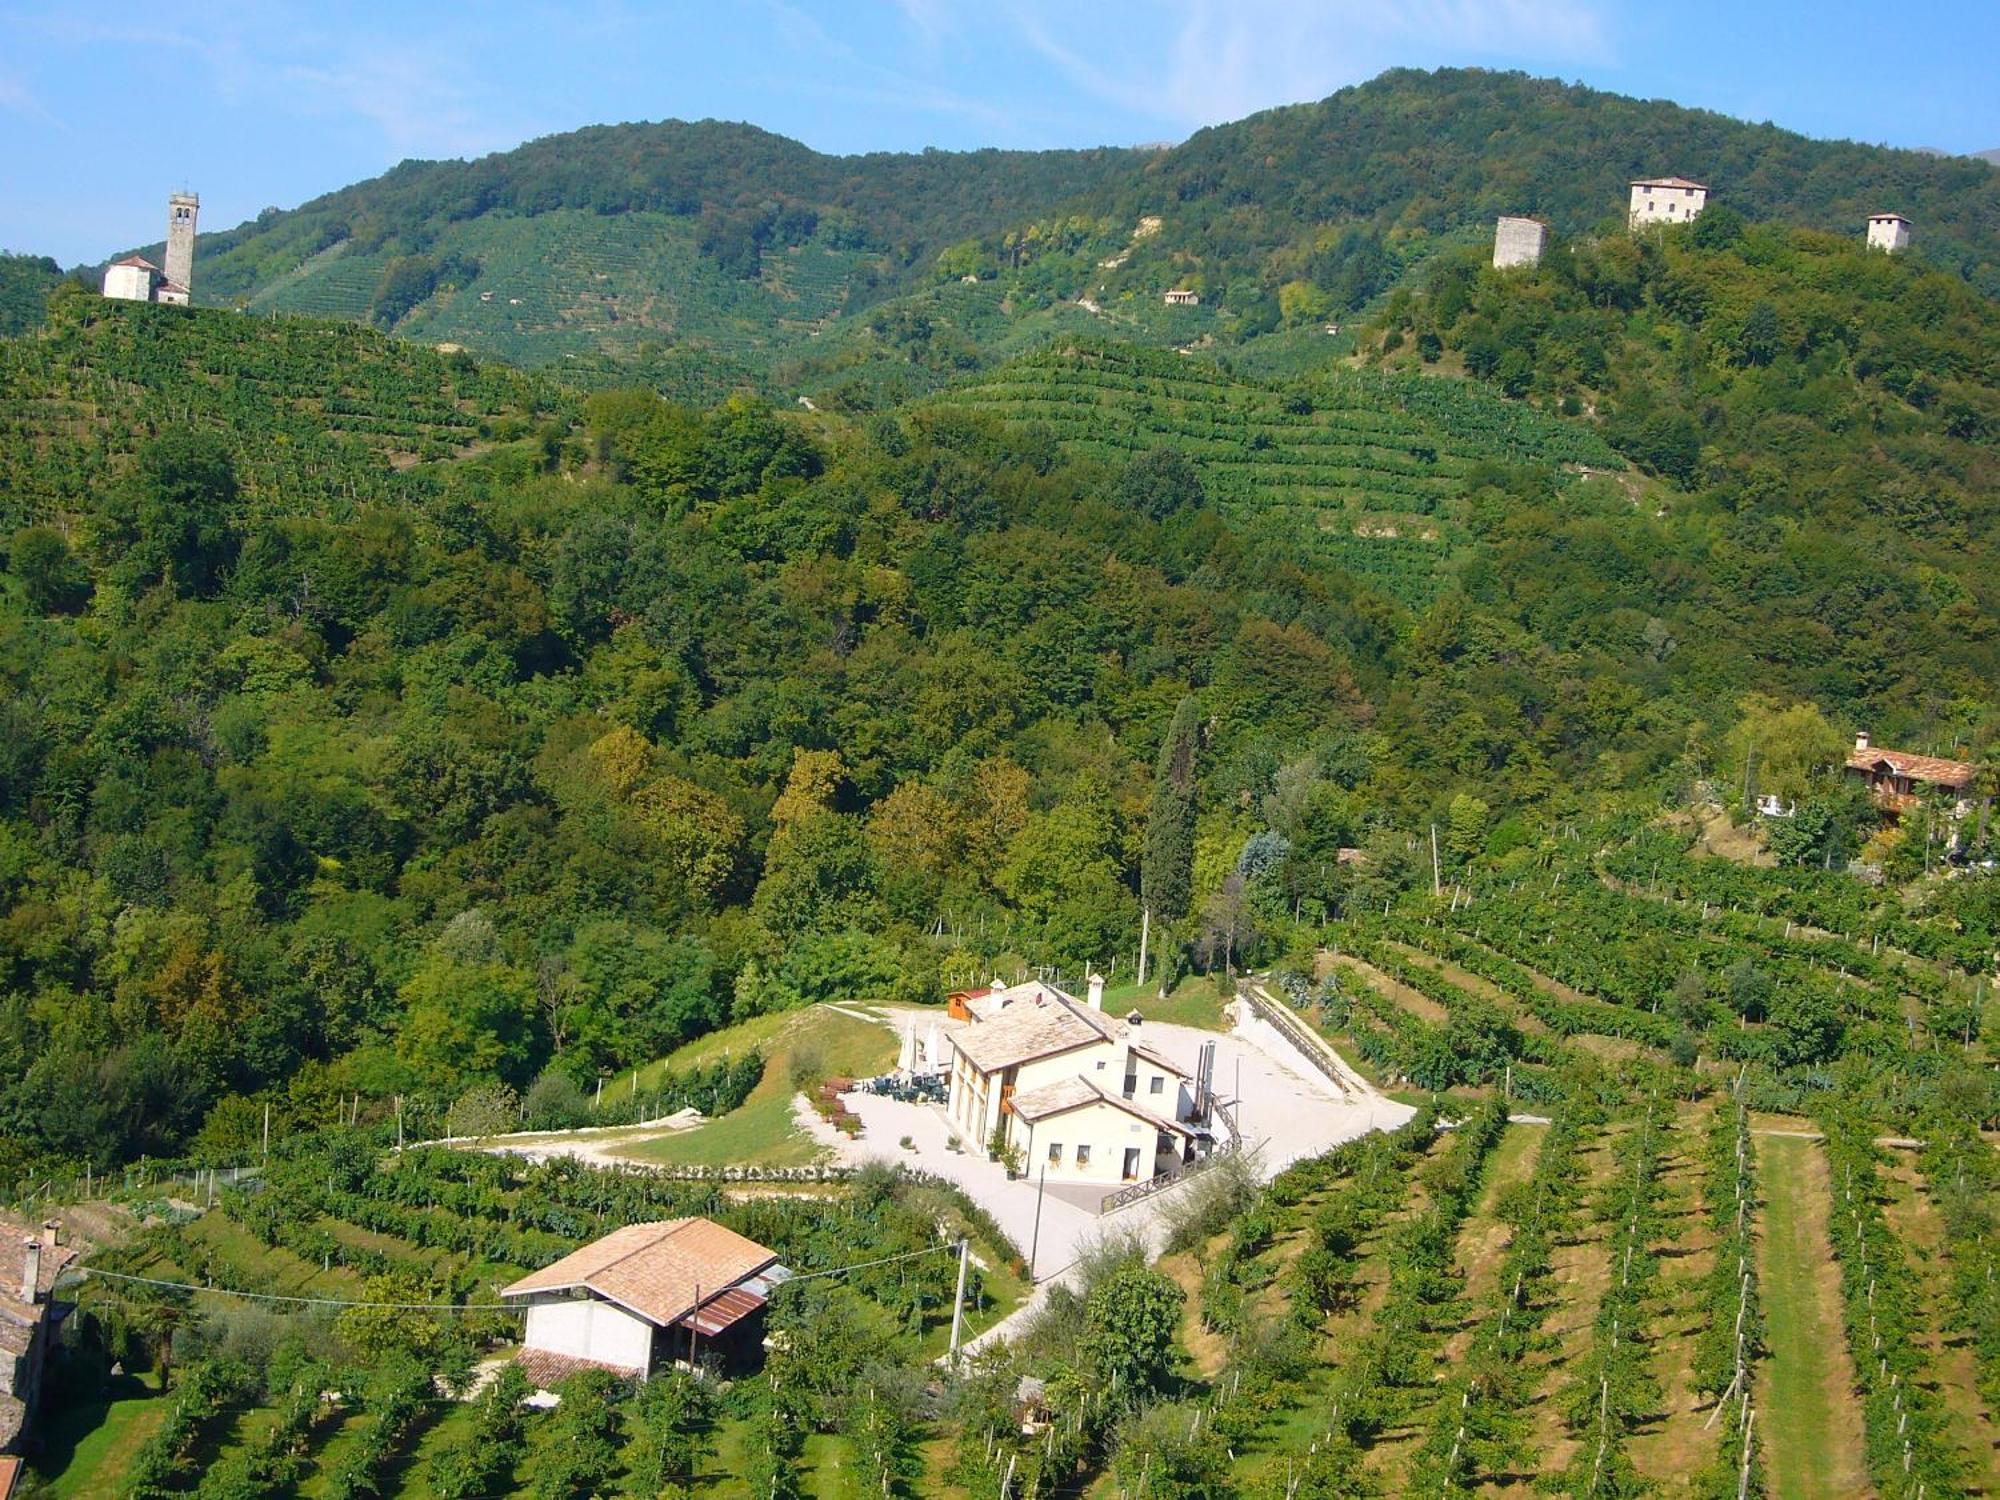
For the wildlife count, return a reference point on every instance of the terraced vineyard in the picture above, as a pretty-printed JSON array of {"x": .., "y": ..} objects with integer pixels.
[
  {"x": 1368, "y": 464},
  {"x": 322, "y": 415},
  {"x": 1588, "y": 1266},
  {"x": 573, "y": 284},
  {"x": 437, "y": 1226}
]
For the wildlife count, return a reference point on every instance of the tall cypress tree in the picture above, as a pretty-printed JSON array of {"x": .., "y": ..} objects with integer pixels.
[{"x": 1166, "y": 874}]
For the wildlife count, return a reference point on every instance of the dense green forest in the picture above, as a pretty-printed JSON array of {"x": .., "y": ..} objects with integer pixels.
[{"x": 607, "y": 240}]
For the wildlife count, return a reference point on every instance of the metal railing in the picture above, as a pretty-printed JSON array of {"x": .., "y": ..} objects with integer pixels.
[
  {"x": 1132, "y": 1192},
  {"x": 1266, "y": 1007}
]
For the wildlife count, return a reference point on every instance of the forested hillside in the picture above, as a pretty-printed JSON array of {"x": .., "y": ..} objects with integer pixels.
[
  {"x": 749, "y": 245},
  {"x": 1830, "y": 416},
  {"x": 25, "y": 284},
  {"x": 379, "y": 718}
]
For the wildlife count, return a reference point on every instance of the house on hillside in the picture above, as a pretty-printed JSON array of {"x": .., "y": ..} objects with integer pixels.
[
  {"x": 1069, "y": 1091},
  {"x": 1180, "y": 296},
  {"x": 666, "y": 1292},
  {"x": 29, "y": 1317},
  {"x": 1899, "y": 778},
  {"x": 1665, "y": 200},
  {"x": 1890, "y": 232}
]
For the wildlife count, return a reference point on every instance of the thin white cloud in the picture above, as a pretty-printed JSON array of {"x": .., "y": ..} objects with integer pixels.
[
  {"x": 297, "y": 60},
  {"x": 932, "y": 20},
  {"x": 1197, "y": 62},
  {"x": 16, "y": 98}
]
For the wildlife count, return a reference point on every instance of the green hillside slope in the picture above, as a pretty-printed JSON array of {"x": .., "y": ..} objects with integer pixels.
[
  {"x": 1366, "y": 464},
  {"x": 612, "y": 237},
  {"x": 25, "y": 284},
  {"x": 323, "y": 415}
]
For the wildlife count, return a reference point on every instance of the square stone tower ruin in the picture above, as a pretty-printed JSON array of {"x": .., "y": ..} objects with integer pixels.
[{"x": 181, "y": 211}]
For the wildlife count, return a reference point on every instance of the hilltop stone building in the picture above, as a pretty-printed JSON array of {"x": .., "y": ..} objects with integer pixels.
[
  {"x": 136, "y": 279},
  {"x": 1890, "y": 232},
  {"x": 1665, "y": 200},
  {"x": 1518, "y": 242}
]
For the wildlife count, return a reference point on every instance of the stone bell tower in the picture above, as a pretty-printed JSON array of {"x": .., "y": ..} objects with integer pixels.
[{"x": 181, "y": 211}]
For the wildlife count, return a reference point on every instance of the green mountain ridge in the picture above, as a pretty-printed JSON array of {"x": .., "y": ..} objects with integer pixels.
[{"x": 744, "y": 244}]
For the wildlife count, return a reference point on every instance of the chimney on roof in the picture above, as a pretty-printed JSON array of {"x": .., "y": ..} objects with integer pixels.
[
  {"x": 31, "y": 1271},
  {"x": 1096, "y": 992},
  {"x": 1861, "y": 740},
  {"x": 52, "y": 1233}
]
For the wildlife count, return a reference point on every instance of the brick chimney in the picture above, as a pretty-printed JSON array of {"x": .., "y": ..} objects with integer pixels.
[
  {"x": 31, "y": 1271},
  {"x": 1096, "y": 992}
]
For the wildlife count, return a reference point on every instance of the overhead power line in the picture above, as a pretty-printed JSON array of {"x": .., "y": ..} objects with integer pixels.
[{"x": 458, "y": 1307}]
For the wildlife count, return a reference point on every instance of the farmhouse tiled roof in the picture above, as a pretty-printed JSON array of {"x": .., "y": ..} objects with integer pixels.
[
  {"x": 1054, "y": 1098},
  {"x": 136, "y": 260},
  {"x": 1066, "y": 1094},
  {"x": 1668, "y": 182},
  {"x": 1932, "y": 768},
  {"x": 547, "y": 1369},
  {"x": 1042, "y": 1026},
  {"x": 660, "y": 1270}
]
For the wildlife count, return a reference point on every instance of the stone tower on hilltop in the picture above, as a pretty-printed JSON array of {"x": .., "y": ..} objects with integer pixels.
[{"x": 181, "y": 211}]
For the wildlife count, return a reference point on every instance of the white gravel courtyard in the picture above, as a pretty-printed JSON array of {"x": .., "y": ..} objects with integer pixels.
[{"x": 1285, "y": 1107}]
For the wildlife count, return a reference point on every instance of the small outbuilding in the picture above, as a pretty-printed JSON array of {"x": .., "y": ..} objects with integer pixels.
[
  {"x": 1180, "y": 296},
  {"x": 665, "y": 1292}
]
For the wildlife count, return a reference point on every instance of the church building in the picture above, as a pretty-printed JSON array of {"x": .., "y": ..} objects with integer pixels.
[{"x": 136, "y": 279}]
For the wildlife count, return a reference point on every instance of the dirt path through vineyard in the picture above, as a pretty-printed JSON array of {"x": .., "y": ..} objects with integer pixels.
[{"x": 1806, "y": 1406}]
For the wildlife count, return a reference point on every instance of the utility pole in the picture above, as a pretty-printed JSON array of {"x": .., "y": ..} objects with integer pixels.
[
  {"x": 1145, "y": 932},
  {"x": 399, "y": 1122},
  {"x": 958, "y": 1298},
  {"x": 267, "y": 1133},
  {"x": 1035, "y": 1240},
  {"x": 1437, "y": 877}
]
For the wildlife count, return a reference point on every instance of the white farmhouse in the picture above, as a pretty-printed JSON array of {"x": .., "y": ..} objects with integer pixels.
[
  {"x": 1890, "y": 232},
  {"x": 1665, "y": 200},
  {"x": 1182, "y": 296},
  {"x": 1518, "y": 241},
  {"x": 1073, "y": 1093},
  {"x": 647, "y": 1294}
]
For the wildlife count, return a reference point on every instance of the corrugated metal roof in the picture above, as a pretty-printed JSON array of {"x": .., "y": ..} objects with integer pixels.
[{"x": 725, "y": 1311}]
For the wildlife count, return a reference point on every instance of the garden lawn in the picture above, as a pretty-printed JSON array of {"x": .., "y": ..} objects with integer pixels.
[
  {"x": 1195, "y": 1001},
  {"x": 88, "y": 1445},
  {"x": 799, "y": 1048}
]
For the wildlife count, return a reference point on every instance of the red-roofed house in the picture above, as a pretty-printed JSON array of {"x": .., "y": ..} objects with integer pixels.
[{"x": 1898, "y": 777}]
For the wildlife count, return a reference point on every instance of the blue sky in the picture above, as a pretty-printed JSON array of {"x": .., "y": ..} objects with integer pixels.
[{"x": 105, "y": 108}]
